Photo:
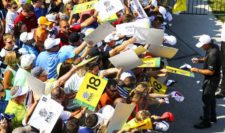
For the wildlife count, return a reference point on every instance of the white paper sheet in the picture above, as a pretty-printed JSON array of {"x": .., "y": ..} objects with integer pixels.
[
  {"x": 126, "y": 60},
  {"x": 129, "y": 28},
  {"x": 152, "y": 36},
  {"x": 36, "y": 85},
  {"x": 107, "y": 8},
  {"x": 163, "y": 51},
  {"x": 45, "y": 114},
  {"x": 120, "y": 116},
  {"x": 100, "y": 33}
]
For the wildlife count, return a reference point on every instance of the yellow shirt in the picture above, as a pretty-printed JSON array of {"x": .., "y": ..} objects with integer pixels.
[
  {"x": 18, "y": 110},
  {"x": 40, "y": 35},
  {"x": 49, "y": 85},
  {"x": 133, "y": 124}
]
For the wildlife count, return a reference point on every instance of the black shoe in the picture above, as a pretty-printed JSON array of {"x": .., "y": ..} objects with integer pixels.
[
  {"x": 214, "y": 120},
  {"x": 202, "y": 125},
  {"x": 220, "y": 95}
]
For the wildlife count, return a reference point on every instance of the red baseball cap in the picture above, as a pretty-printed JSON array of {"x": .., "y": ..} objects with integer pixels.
[{"x": 167, "y": 116}]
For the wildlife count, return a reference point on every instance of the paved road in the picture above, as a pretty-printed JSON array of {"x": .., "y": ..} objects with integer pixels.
[{"x": 188, "y": 27}]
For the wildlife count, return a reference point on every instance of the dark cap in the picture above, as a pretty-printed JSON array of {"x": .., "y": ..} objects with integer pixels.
[
  {"x": 75, "y": 36},
  {"x": 94, "y": 52}
]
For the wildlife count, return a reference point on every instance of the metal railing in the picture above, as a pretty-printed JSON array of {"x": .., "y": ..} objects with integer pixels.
[{"x": 200, "y": 7}]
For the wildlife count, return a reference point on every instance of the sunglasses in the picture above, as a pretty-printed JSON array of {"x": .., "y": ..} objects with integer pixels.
[
  {"x": 69, "y": 9},
  {"x": 65, "y": 27},
  {"x": 9, "y": 42},
  {"x": 14, "y": 7}
]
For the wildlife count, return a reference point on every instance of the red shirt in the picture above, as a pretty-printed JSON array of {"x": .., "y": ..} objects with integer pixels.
[
  {"x": 76, "y": 28},
  {"x": 65, "y": 38},
  {"x": 30, "y": 22}
]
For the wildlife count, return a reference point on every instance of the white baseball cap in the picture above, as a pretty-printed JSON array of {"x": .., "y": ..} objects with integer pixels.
[
  {"x": 18, "y": 91},
  {"x": 23, "y": 51},
  {"x": 162, "y": 126},
  {"x": 107, "y": 112},
  {"x": 163, "y": 11},
  {"x": 171, "y": 40},
  {"x": 52, "y": 18},
  {"x": 26, "y": 60},
  {"x": 51, "y": 42},
  {"x": 204, "y": 39},
  {"x": 124, "y": 75},
  {"x": 25, "y": 36},
  {"x": 111, "y": 37}
]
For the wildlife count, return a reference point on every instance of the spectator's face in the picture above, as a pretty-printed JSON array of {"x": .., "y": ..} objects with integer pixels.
[
  {"x": 39, "y": 3},
  {"x": 112, "y": 91},
  {"x": 23, "y": 28},
  {"x": 95, "y": 70},
  {"x": 5, "y": 3},
  {"x": 9, "y": 44},
  {"x": 42, "y": 26},
  {"x": 43, "y": 77},
  {"x": 82, "y": 71},
  {"x": 69, "y": 8},
  {"x": 75, "y": 1},
  {"x": 64, "y": 26},
  {"x": 14, "y": 8},
  {"x": 20, "y": 99},
  {"x": 27, "y": 14}
]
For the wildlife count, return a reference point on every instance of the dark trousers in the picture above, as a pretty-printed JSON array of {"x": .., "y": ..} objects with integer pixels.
[
  {"x": 222, "y": 85},
  {"x": 209, "y": 99}
]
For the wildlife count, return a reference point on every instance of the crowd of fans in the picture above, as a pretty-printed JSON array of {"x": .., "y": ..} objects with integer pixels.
[{"x": 45, "y": 39}]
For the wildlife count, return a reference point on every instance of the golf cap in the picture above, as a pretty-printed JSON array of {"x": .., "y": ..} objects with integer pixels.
[
  {"x": 43, "y": 20},
  {"x": 204, "y": 39},
  {"x": 18, "y": 91},
  {"x": 51, "y": 42},
  {"x": 25, "y": 36}
]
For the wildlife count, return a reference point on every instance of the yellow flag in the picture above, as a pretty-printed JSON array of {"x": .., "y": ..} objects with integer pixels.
[
  {"x": 180, "y": 71},
  {"x": 180, "y": 6},
  {"x": 84, "y": 7},
  {"x": 159, "y": 87},
  {"x": 150, "y": 62},
  {"x": 84, "y": 62},
  {"x": 110, "y": 19},
  {"x": 90, "y": 91}
]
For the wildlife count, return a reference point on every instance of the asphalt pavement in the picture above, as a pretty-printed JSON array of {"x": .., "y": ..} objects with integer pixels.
[{"x": 187, "y": 28}]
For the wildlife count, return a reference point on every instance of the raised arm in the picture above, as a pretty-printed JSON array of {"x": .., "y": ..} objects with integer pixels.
[
  {"x": 121, "y": 47},
  {"x": 90, "y": 20}
]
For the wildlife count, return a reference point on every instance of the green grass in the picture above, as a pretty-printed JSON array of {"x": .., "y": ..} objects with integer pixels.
[{"x": 218, "y": 8}]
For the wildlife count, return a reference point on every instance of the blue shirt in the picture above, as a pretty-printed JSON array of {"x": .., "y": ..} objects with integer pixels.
[
  {"x": 85, "y": 130},
  {"x": 39, "y": 12},
  {"x": 50, "y": 60},
  {"x": 30, "y": 49}
]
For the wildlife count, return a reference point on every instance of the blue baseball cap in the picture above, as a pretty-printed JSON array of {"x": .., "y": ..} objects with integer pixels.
[{"x": 67, "y": 52}]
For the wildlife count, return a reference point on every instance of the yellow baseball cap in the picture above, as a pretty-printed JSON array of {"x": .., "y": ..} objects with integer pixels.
[{"x": 43, "y": 20}]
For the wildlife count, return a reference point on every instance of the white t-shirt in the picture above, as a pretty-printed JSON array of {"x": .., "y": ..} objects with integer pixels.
[
  {"x": 223, "y": 33},
  {"x": 73, "y": 84},
  {"x": 10, "y": 17}
]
